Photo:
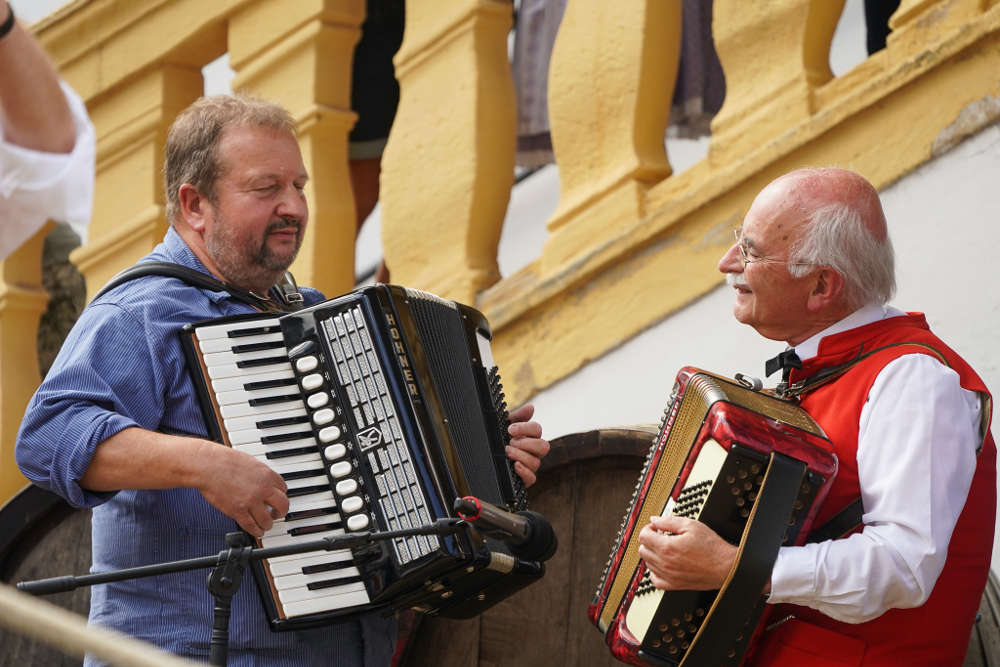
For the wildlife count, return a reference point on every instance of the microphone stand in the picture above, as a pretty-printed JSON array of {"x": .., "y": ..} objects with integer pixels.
[{"x": 228, "y": 568}]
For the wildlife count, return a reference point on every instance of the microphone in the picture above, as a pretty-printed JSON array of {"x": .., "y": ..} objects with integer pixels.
[{"x": 528, "y": 534}]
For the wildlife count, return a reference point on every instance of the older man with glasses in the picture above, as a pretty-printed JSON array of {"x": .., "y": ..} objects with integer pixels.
[{"x": 908, "y": 417}]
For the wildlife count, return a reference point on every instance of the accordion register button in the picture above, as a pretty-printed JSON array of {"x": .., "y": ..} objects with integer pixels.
[
  {"x": 352, "y": 504},
  {"x": 334, "y": 452},
  {"x": 306, "y": 364},
  {"x": 324, "y": 416},
  {"x": 329, "y": 434},
  {"x": 346, "y": 487},
  {"x": 312, "y": 381},
  {"x": 340, "y": 468},
  {"x": 318, "y": 400},
  {"x": 357, "y": 522}
]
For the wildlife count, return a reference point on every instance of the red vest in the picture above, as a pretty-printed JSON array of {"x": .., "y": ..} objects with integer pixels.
[{"x": 937, "y": 632}]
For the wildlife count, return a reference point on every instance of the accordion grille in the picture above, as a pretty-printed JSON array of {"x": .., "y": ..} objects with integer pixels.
[{"x": 442, "y": 333}]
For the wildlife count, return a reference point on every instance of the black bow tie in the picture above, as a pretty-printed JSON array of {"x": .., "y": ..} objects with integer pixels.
[{"x": 784, "y": 361}]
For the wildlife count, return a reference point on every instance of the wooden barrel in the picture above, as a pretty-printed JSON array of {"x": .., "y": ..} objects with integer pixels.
[
  {"x": 41, "y": 536},
  {"x": 584, "y": 488}
]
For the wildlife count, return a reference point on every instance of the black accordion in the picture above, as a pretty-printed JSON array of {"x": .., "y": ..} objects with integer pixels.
[
  {"x": 379, "y": 408},
  {"x": 752, "y": 467}
]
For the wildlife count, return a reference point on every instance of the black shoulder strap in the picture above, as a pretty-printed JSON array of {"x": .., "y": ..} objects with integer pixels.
[{"x": 287, "y": 294}]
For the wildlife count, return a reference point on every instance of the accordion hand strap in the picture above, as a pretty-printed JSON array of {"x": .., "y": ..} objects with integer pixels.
[
  {"x": 288, "y": 294},
  {"x": 758, "y": 550}
]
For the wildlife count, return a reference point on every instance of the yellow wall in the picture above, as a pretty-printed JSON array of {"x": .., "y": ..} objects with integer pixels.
[{"x": 629, "y": 243}]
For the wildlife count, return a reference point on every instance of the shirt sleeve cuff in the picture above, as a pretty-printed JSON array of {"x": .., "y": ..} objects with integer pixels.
[{"x": 794, "y": 574}]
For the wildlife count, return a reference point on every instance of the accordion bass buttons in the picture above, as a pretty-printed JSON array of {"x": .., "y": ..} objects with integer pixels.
[
  {"x": 341, "y": 469},
  {"x": 306, "y": 364},
  {"x": 329, "y": 434},
  {"x": 312, "y": 381},
  {"x": 334, "y": 452},
  {"x": 324, "y": 416},
  {"x": 317, "y": 400},
  {"x": 346, "y": 487},
  {"x": 352, "y": 504}
]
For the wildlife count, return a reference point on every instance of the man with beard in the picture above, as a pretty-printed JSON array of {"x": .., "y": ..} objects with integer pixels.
[
  {"x": 116, "y": 425},
  {"x": 908, "y": 419}
]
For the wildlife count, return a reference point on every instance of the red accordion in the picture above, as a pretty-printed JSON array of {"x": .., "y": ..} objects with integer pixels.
[{"x": 751, "y": 466}]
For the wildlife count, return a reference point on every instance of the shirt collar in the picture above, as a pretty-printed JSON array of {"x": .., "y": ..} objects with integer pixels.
[
  {"x": 860, "y": 317},
  {"x": 176, "y": 250}
]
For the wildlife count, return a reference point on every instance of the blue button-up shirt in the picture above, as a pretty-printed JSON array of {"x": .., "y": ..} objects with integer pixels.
[{"x": 122, "y": 365}]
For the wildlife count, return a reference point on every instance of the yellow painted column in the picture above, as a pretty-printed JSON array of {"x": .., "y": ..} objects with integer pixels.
[
  {"x": 773, "y": 54},
  {"x": 920, "y": 24},
  {"x": 131, "y": 122},
  {"x": 299, "y": 55},
  {"x": 449, "y": 163},
  {"x": 22, "y": 302},
  {"x": 611, "y": 80}
]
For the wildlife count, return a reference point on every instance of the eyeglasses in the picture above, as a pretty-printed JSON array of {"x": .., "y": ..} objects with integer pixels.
[{"x": 747, "y": 259}]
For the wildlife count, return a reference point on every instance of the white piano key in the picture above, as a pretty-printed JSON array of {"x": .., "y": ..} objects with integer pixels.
[
  {"x": 223, "y": 358},
  {"x": 301, "y": 593},
  {"x": 293, "y": 581},
  {"x": 258, "y": 411},
  {"x": 285, "y": 540},
  {"x": 293, "y": 463},
  {"x": 311, "y": 501},
  {"x": 241, "y": 395},
  {"x": 251, "y": 422},
  {"x": 287, "y": 565},
  {"x": 227, "y": 344},
  {"x": 222, "y": 330},
  {"x": 231, "y": 370},
  {"x": 319, "y": 480},
  {"x": 281, "y": 527},
  {"x": 239, "y": 383},
  {"x": 255, "y": 434},
  {"x": 340, "y": 600}
]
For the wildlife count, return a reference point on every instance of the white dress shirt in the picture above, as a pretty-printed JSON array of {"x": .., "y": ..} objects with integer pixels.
[
  {"x": 919, "y": 433},
  {"x": 37, "y": 186}
]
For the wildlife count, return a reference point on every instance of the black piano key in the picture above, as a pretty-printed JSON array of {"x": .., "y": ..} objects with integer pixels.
[
  {"x": 271, "y": 400},
  {"x": 332, "y": 583},
  {"x": 310, "y": 514},
  {"x": 327, "y": 567},
  {"x": 285, "y": 453},
  {"x": 257, "y": 347},
  {"x": 306, "y": 490},
  {"x": 285, "y": 437},
  {"x": 282, "y": 421},
  {"x": 253, "y": 331},
  {"x": 270, "y": 384},
  {"x": 267, "y": 361},
  {"x": 302, "y": 474},
  {"x": 318, "y": 528}
]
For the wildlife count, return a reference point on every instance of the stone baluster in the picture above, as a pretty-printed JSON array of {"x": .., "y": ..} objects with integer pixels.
[
  {"x": 449, "y": 164},
  {"x": 299, "y": 55}
]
